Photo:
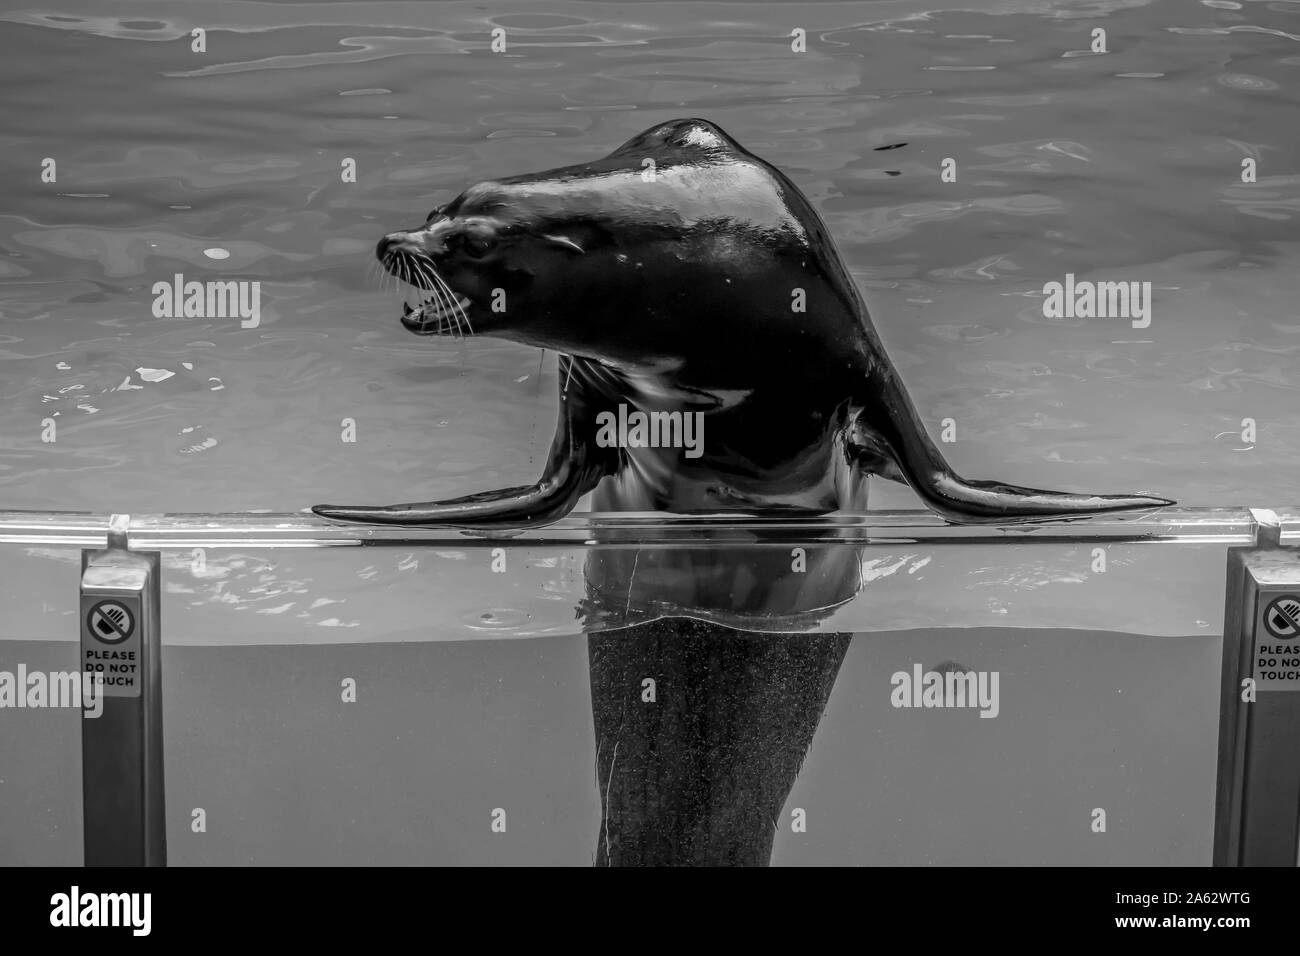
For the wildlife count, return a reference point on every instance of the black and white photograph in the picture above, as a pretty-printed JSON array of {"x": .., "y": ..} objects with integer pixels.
[{"x": 604, "y": 433}]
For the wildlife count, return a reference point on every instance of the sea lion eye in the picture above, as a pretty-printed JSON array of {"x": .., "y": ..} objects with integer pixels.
[
  {"x": 435, "y": 214},
  {"x": 477, "y": 246}
]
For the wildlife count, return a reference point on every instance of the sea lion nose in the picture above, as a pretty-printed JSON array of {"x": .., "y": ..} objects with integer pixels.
[
  {"x": 388, "y": 243},
  {"x": 425, "y": 242}
]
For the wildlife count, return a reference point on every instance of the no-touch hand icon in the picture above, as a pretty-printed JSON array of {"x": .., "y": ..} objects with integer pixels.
[
  {"x": 110, "y": 622},
  {"x": 1282, "y": 617}
]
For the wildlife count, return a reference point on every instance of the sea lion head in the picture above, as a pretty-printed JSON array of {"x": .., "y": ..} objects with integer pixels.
[{"x": 679, "y": 240}]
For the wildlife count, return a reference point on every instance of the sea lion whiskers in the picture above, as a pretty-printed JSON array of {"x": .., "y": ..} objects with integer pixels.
[
  {"x": 419, "y": 271},
  {"x": 400, "y": 270},
  {"x": 379, "y": 275},
  {"x": 456, "y": 302},
  {"x": 449, "y": 303}
]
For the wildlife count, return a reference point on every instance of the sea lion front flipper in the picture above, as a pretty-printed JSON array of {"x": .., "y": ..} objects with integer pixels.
[
  {"x": 888, "y": 439},
  {"x": 539, "y": 503},
  {"x": 575, "y": 466}
]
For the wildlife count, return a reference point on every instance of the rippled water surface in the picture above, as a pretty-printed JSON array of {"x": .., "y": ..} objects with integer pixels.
[{"x": 1117, "y": 166}]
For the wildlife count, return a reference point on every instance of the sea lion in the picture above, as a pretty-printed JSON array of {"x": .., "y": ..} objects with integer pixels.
[
  {"x": 683, "y": 276},
  {"x": 682, "y": 273}
]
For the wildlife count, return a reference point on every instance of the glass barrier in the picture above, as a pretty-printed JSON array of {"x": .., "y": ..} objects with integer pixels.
[{"x": 1088, "y": 640}]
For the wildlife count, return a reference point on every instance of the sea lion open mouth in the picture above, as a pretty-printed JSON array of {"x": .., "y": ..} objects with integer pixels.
[
  {"x": 440, "y": 310},
  {"x": 437, "y": 315}
]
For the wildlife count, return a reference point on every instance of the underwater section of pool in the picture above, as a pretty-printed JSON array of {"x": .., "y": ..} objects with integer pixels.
[{"x": 453, "y": 722}]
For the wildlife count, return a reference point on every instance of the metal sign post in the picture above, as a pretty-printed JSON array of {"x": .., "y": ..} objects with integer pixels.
[
  {"x": 1257, "y": 814},
  {"x": 122, "y": 748}
]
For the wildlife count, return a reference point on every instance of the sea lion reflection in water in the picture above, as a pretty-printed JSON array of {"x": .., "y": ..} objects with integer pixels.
[{"x": 701, "y": 283}]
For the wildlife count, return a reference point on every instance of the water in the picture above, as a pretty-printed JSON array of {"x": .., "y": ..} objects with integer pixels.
[
  {"x": 1066, "y": 166},
  {"x": 444, "y": 733},
  {"x": 1123, "y": 166}
]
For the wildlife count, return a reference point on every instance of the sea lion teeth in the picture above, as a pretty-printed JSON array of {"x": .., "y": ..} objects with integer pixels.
[{"x": 441, "y": 308}]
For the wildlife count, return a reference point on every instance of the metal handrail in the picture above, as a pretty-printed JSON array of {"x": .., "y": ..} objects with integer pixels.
[{"x": 1228, "y": 526}]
